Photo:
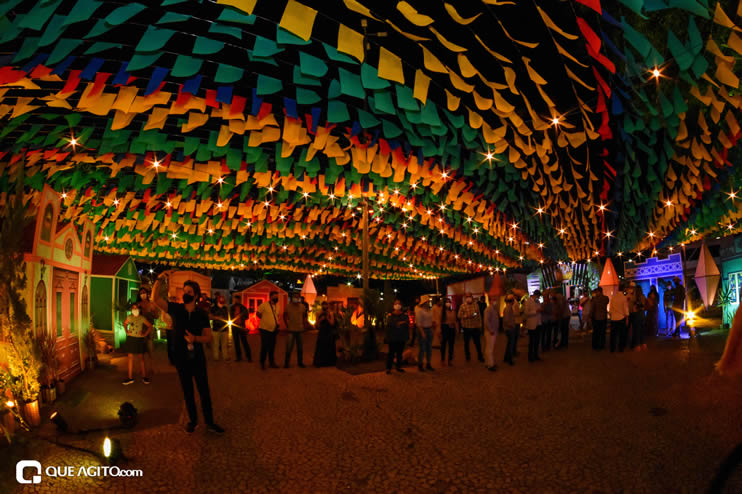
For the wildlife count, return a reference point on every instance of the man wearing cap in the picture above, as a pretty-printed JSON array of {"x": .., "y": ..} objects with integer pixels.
[
  {"x": 491, "y": 327},
  {"x": 424, "y": 323},
  {"x": 295, "y": 318},
  {"x": 619, "y": 319},
  {"x": 471, "y": 321},
  {"x": 533, "y": 322},
  {"x": 268, "y": 315}
]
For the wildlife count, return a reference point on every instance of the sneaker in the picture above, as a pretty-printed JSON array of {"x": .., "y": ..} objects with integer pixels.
[
  {"x": 127, "y": 381},
  {"x": 214, "y": 428},
  {"x": 430, "y": 367},
  {"x": 388, "y": 371},
  {"x": 450, "y": 363},
  {"x": 421, "y": 368},
  {"x": 190, "y": 427},
  {"x": 399, "y": 369},
  {"x": 273, "y": 366},
  {"x": 302, "y": 366},
  {"x": 146, "y": 380},
  {"x": 286, "y": 366},
  {"x": 492, "y": 369}
]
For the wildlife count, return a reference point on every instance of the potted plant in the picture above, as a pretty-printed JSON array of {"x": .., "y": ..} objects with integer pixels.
[
  {"x": 19, "y": 350},
  {"x": 48, "y": 349},
  {"x": 90, "y": 341}
]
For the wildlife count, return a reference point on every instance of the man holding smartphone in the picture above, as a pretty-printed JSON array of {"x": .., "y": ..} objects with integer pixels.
[{"x": 191, "y": 329}]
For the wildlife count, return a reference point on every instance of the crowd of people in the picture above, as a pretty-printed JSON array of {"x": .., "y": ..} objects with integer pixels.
[{"x": 545, "y": 317}]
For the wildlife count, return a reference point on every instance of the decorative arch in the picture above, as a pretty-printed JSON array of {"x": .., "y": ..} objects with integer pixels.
[{"x": 40, "y": 314}]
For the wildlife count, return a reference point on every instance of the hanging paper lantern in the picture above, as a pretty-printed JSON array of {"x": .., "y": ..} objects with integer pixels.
[
  {"x": 308, "y": 291},
  {"x": 707, "y": 276},
  {"x": 609, "y": 279}
]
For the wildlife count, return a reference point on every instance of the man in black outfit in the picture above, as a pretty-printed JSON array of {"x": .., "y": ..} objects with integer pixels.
[{"x": 191, "y": 329}]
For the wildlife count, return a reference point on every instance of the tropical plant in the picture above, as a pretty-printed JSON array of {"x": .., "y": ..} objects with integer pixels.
[
  {"x": 91, "y": 341},
  {"x": 724, "y": 299},
  {"x": 48, "y": 353},
  {"x": 18, "y": 346}
]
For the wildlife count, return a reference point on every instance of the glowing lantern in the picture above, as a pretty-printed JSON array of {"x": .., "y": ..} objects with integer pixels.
[
  {"x": 609, "y": 279},
  {"x": 707, "y": 276},
  {"x": 308, "y": 291}
]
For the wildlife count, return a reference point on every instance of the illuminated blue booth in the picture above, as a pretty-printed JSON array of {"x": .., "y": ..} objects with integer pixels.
[{"x": 659, "y": 273}]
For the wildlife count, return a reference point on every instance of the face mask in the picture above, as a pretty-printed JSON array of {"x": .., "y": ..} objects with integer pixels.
[
  {"x": 188, "y": 298},
  {"x": 135, "y": 312},
  {"x": 397, "y": 307}
]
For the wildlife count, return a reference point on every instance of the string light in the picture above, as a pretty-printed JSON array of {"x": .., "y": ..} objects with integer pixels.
[
  {"x": 656, "y": 73},
  {"x": 733, "y": 195},
  {"x": 555, "y": 121},
  {"x": 155, "y": 164},
  {"x": 601, "y": 207},
  {"x": 220, "y": 180},
  {"x": 608, "y": 234},
  {"x": 668, "y": 203}
]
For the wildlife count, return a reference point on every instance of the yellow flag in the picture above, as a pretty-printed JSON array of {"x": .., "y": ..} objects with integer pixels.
[
  {"x": 350, "y": 42},
  {"x": 298, "y": 19},
  {"x": 431, "y": 62},
  {"x": 243, "y": 5},
  {"x": 390, "y": 66},
  {"x": 413, "y": 15},
  {"x": 422, "y": 82}
]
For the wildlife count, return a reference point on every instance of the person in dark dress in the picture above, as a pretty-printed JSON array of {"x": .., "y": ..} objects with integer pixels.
[
  {"x": 397, "y": 330},
  {"x": 191, "y": 329},
  {"x": 324, "y": 351}
]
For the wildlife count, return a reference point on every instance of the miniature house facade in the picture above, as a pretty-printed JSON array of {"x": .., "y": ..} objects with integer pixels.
[
  {"x": 114, "y": 284},
  {"x": 178, "y": 279},
  {"x": 58, "y": 260},
  {"x": 254, "y": 295}
]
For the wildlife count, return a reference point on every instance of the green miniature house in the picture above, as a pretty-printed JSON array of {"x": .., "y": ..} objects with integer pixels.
[{"x": 114, "y": 284}]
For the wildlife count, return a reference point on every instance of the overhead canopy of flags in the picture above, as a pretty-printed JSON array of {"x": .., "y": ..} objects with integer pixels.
[{"x": 484, "y": 134}]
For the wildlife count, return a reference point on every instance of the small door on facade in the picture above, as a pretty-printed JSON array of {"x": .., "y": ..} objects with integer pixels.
[{"x": 65, "y": 321}]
